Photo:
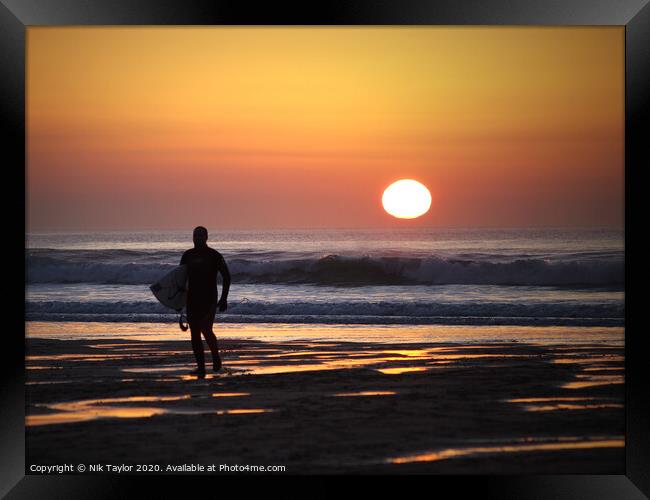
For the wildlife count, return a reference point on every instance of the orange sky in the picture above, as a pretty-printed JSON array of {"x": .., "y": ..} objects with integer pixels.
[{"x": 238, "y": 127}]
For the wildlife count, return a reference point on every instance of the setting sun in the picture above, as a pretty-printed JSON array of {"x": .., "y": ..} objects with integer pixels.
[{"x": 406, "y": 199}]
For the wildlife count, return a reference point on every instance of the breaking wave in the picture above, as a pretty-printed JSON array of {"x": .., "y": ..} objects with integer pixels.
[{"x": 138, "y": 267}]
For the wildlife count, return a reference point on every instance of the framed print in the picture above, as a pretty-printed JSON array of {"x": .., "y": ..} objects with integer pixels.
[{"x": 360, "y": 239}]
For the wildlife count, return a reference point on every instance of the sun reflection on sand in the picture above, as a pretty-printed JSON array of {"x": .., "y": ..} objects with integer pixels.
[
  {"x": 419, "y": 353},
  {"x": 76, "y": 357},
  {"x": 160, "y": 368},
  {"x": 564, "y": 403},
  {"x": 544, "y": 400},
  {"x": 91, "y": 409},
  {"x": 243, "y": 411},
  {"x": 382, "y": 372},
  {"x": 563, "y": 406},
  {"x": 300, "y": 353},
  {"x": 595, "y": 383},
  {"x": 47, "y": 382},
  {"x": 384, "y": 361},
  {"x": 450, "y": 453},
  {"x": 91, "y": 414},
  {"x": 588, "y": 360},
  {"x": 406, "y": 369},
  {"x": 365, "y": 393}
]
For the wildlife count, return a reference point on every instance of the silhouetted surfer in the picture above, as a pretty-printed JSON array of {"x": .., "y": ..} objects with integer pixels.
[{"x": 203, "y": 265}]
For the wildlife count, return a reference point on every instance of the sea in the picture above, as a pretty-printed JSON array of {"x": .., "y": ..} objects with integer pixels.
[{"x": 551, "y": 277}]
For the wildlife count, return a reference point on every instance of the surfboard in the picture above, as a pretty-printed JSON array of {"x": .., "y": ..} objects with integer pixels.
[{"x": 171, "y": 289}]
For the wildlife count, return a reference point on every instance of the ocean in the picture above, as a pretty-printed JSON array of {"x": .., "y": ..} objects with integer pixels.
[{"x": 441, "y": 276}]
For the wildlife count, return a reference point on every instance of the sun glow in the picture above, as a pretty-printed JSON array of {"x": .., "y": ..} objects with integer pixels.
[{"x": 406, "y": 199}]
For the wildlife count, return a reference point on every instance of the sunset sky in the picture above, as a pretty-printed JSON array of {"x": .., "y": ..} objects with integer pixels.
[{"x": 238, "y": 127}]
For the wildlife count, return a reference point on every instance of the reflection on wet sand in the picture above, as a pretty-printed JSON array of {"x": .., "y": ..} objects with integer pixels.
[
  {"x": 306, "y": 356},
  {"x": 91, "y": 409},
  {"x": 310, "y": 356},
  {"x": 564, "y": 406},
  {"x": 365, "y": 393},
  {"x": 73, "y": 357},
  {"x": 564, "y": 403},
  {"x": 544, "y": 400},
  {"x": 450, "y": 453},
  {"x": 590, "y": 380},
  {"x": 304, "y": 361},
  {"x": 243, "y": 411},
  {"x": 588, "y": 360},
  {"x": 590, "y": 366},
  {"x": 91, "y": 414},
  {"x": 47, "y": 382},
  {"x": 593, "y": 383},
  {"x": 357, "y": 401},
  {"x": 411, "y": 353},
  {"x": 365, "y": 400},
  {"x": 155, "y": 369},
  {"x": 406, "y": 369},
  {"x": 300, "y": 353},
  {"x": 278, "y": 369}
]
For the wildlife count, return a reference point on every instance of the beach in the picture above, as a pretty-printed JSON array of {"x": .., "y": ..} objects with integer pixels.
[{"x": 330, "y": 399}]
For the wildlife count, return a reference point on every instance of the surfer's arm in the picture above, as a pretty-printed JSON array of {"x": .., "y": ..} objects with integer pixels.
[{"x": 225, "y": 288}]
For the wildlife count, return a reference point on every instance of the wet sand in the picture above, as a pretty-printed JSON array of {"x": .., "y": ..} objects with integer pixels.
[{"x": 329, "y": 406}]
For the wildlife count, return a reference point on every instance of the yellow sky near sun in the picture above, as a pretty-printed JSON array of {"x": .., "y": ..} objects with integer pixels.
[{"x": 304, "y": 127}]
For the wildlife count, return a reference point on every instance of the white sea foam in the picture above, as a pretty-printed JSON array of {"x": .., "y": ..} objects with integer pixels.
[{"x": 137, "y": 267}]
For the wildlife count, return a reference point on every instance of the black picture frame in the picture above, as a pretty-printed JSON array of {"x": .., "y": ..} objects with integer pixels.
[{"x": 634, "y": 15}]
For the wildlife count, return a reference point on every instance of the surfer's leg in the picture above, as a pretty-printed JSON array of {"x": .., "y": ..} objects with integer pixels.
[
  {"x": 197, "y": 346},
  {"x": 211, "y": 339}
]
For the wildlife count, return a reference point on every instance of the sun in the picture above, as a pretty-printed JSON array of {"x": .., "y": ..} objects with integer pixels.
[{"x": 406, "y": 199}]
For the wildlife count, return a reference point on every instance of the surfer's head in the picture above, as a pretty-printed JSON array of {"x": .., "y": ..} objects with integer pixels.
[{"x": 200, "y": 235}]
